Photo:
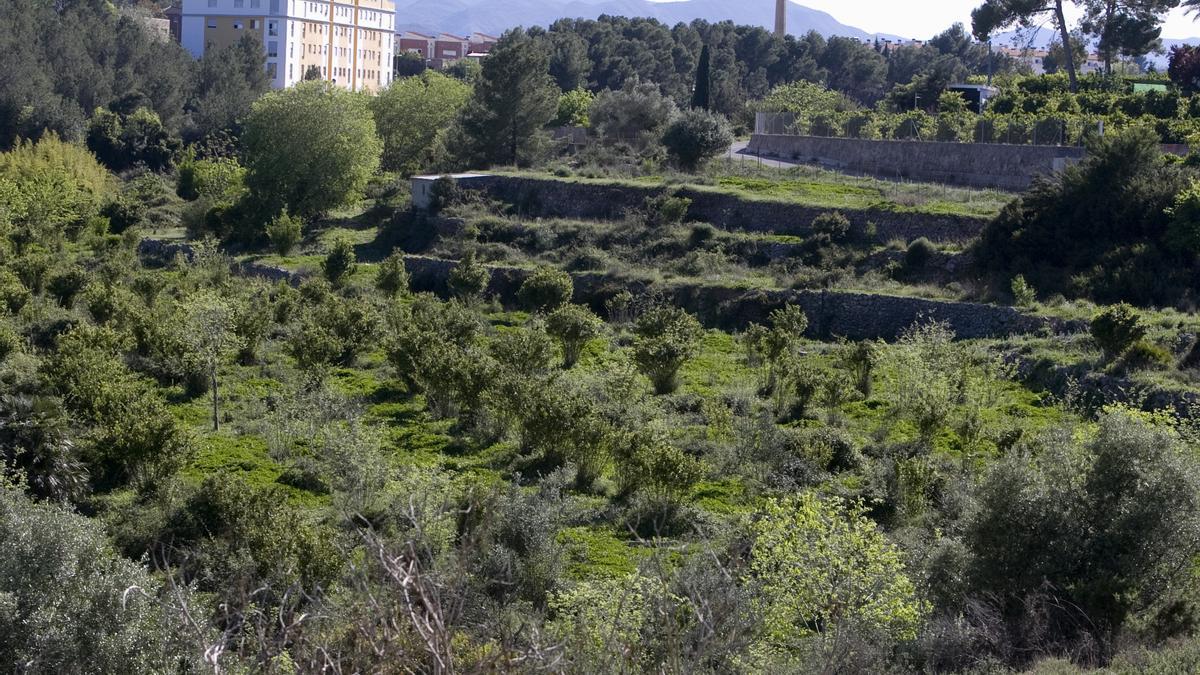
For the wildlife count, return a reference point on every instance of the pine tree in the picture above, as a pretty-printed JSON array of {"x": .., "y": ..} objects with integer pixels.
[
  {"x": 514, "y": 98},
  {"x": 700, "y": 95}
]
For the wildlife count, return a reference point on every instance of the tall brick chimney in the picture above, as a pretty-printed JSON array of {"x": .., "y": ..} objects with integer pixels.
[{"x": 781, "y": 17}]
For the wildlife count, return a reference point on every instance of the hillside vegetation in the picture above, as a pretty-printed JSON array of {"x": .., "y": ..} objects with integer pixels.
[{"x": 260, "y": 414}]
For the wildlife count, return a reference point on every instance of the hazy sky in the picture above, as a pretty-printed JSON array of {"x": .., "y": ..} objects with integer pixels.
[{"x": 926, "y": 18}]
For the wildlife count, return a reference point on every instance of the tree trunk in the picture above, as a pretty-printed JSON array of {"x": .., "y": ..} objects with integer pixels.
[
  {"x": 1061, "y": 17},
  {"x": 212, "y": 378},
  {"x": 1110, "y": 12}
]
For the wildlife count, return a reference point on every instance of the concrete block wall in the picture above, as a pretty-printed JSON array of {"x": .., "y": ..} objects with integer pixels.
[{"x": 979, "y": 165}]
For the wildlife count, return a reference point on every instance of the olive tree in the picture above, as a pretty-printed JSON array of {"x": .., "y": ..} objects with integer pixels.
[
  {"x": 209, "y": 329},
  {"x": 573, "y": 326},
  {"x": 665, "y": 338},
  {"x": 69, "y": 603},
  {"x": 697, "y": 136}
]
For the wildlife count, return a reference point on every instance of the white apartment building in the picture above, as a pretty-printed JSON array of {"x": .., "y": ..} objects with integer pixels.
[{"x": 350, "y": 42}]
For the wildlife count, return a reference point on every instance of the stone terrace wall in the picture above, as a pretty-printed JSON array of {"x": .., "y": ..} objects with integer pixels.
[
  {"x": 981, "y": 165},
  {"x": 831, "y": 314},
  {"x": 548, "y": 198}
]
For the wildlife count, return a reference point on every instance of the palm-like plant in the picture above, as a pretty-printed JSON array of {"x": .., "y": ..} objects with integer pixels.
[{"x": 35, "y": 446}]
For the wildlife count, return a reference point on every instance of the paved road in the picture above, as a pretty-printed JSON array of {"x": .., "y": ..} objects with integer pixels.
[{"x": 739, "y": 152}]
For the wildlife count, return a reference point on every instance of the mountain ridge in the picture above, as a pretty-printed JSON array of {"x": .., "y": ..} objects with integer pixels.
[{"x": 462, "y": 17}]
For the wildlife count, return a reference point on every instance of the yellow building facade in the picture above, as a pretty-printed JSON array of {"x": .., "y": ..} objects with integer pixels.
[{"x": 350, "y": 42}]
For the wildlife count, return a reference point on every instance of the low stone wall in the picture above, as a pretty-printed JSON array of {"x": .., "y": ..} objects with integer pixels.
[
  {"x": 981, "y": 165},
  {"x": 831, "y": 314},
  {"x": 548, "y": 198}
]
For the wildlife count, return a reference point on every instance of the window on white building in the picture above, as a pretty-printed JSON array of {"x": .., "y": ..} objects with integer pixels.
[
  {"x": 212, "y": 23},
  {"x": 272, "y": 29},
  {"x": 237, "y": 4},
  {"x": 255, "y": 24},
  {"x": 237, "y": 25},
  {"x": 273, "y": 49},
  {"x": 255, "y": 4}
]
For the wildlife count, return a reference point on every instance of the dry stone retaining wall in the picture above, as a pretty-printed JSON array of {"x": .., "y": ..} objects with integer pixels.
[{"x": 548, "y": 198}]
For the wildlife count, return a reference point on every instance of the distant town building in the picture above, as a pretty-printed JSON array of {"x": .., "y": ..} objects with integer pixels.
[
  {"x": 444, "y": 49},
  {"x": 1036, "y": 60},
  {"x": 349, "y": 42},
  {"x": 480, "y": 44}
]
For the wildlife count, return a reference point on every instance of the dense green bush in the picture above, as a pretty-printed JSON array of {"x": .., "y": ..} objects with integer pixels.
[
  {"x": 918, "y": 254},
  {"x": 340, "y": 263},
  {"x": 71, "y": 604},
  {"x": 546, "y": 290},
  {"x": 392, "y": 275},
  {"x": 284, "y": 232},
  {"x": 1095, "y": 532},
  {"x": 573, "y": 326},
  {"x": 695, "y": 137},
  {"x": 1099, "y": 228},
  {"x": 666, "y": 338},
  {"x": 1117, "y": 328},
  {"x": 470, "y": 277},
  {"x": 310, "y": 148}
]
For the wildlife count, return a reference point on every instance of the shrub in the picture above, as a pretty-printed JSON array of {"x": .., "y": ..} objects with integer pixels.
[
  {"x": 10, "y": 342},
  {"x": 444, "y": 193},
  {"x": 833, "y": 224},
  {"x": 635, "y": 114},
  {"x": 469, "y": 278},
  {"x": 573, "y": 326},
  {"x": 860, "y": 360},
  {"x": 392, "y": 275},
  {"x": 1116, "y": 328},
  {"x": 778, "y": 345},
  {"x": 339, "y": 264},
  {"x": 1183, "y": 230},
  {"x": 13, "y": 293},
  {"x": 123, "y": 213},
  {"x": 666, "y": 209},
  {"x": 221, "y": 181},
  {"x": 920, "y": 251},
  {"x": 36, "y": 446},
  {"x": 647, "y": 460},
  {"x": 806, "y": 380},
  {"x": 1143, "y": 355},
  {"x": 1104, "y": 527},
  {"x": 620, "y": 307},
  {"x": 665, "y": 338},
  {"x": 73, "y": 605},
  {"x": 697, "y": 136},
  {"x": 1023, "y": 294},
  {"x": 822, "y": 563},
  {"x": 284, "y": 232},
  {"x": 65, "y": 284},
  {"x": 546, "y": 290}
]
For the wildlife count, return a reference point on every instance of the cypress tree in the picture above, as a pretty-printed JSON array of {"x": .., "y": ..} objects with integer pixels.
[{"x": 700, "y": 94}]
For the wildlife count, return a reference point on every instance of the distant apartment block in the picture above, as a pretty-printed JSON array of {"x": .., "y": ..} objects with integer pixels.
[
  {"x": 1036, "y": 60},
  {"x": 444, "y": 49},
  {"x": 350, "y": 42}
]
